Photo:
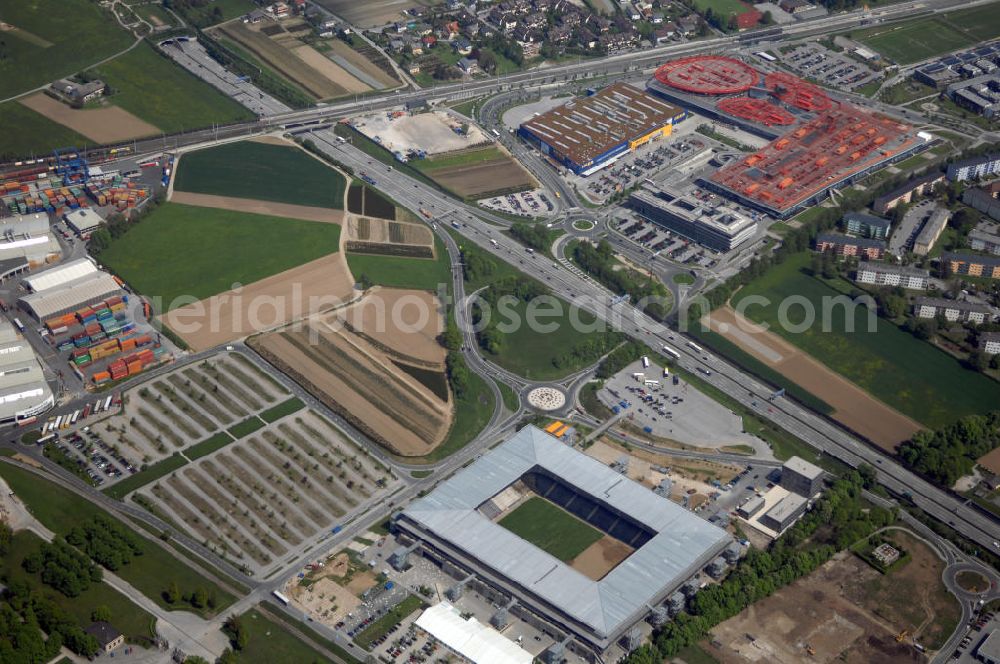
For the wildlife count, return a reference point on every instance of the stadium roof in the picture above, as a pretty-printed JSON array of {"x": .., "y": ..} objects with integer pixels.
[
  {"x": 682, "y": 544},
  {"x": 71, "y": 295},
  {"x": 58, "y": 276},
  {"x": 470, "y": 638}
]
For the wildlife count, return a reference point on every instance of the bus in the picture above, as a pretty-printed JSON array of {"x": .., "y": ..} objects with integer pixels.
[
  {"x": 58, "y": 422},
  {"x": 280, "y": 597},
  {"x": 496, "y": 133},
  {"x": 75, "y": 417},
  {"x": 19, "y": 325},
  {"x": 46, "y": 439},
  {"x": 695, "y": 346},
  {"x": 645, "y": 362},
  {"x": 671, "y": 352}
]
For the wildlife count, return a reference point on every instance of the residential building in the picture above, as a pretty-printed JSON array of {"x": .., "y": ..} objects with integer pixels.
[
  {"x": 845, "y": 245},
  {"x": 935, "y": 224},
  {"x": 904, "y": 194},
  {"x": 885, "y": 554},
  {"x": 952, "y": 310},
  {"x": 469, "y": 66},
  {"x": 108, "y": 638},
  {"x": 865, "y": 225},
  {"x": 985, "y": 199},
  {"x": 972, "y": 265},
  {"x": 968, "y": 169},
  {"x": 985, "y": 237},
  {"x": 801, "y": 477},
  {"x": 989, "y": 343},
  {"x": 79, "y": 92},
  {"x": 877, "y": 273}
]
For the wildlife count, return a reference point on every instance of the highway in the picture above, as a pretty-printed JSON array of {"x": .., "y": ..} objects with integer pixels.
[{"x": 809, "y": 427}]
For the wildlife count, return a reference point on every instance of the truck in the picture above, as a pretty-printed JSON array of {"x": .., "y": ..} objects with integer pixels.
[
  {"x": 427, "y": 215},
  {"x": 75, "y": 417},
  {"x": 494, "y": 242},
  {"x": 367, "y": 178},
  {"x": 695, "y": 346},
  {"x": 671, "y": 352},
  {"x": 19, "y": 325},
  {"x": 645, "y": 362}
]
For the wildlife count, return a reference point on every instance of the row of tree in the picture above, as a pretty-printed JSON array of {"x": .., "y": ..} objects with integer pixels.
[
  {"x": 599, "y": 262},
  {"x": 536, "y": 236},
  {"x": 106, "y": 541},
  {"x": 950, "y": 452},
  {"x": 838, "y": 519}
]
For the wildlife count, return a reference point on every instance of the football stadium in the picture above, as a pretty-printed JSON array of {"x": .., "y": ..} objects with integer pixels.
[
  {"x": 473, "y": 524},
  {"x": 590, "y": 133}
]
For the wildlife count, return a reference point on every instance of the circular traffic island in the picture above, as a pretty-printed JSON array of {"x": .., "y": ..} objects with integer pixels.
[
  {"x": 546, "y": 398},
  {"x": 583, "y": 225},
  {"x": 972, "y": 582}
]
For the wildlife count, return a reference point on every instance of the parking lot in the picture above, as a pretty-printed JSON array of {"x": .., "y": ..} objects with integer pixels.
[
  {"x": 96, "y": 458},
  {"x": 662, "y": 242},
  {"x": 526, "y": 203},
  {"x": 830, "y": 68},
  {"x": 976, "y": 632},
  {"x": 909, "y": 227}
]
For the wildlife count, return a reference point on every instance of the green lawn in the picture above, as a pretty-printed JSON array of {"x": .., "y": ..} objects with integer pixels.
[
  {"x": 201, "y": 13},
  {"x": 181, "y": 250},
  {"x": 551, "y": 528},
  {"x": 723, "y": 7},
  {"x": 246, "y": 427},
  {"x": 151, "y": 86},
  {"x": 909, "y": 375},
  {"x": 211, "y": 444},
  {"x": 269, "y": 642},
  {"x": 154, "y": 472},
  {"x": 403, "y": 272},
  {"x": 683, "y": 278},
  {"x": 980, "y": 23},
  {"x": 386, "y": 622},
  {"x": 248, "y": 169},
  {"x": 469, "y": 158},
  {"x": 472, "y": 412},
  {"x": 510, "y": 398},
  {"x": 35, "y": 134},
  {"x": 926, "y": 37},
  {"x": 128, "y": 618},
  {"x": 53, "y": 39},
  {"x": 282, "y": 409},
  {"x": 151, "y": 573},
  {"x": 151, "y": 11}
]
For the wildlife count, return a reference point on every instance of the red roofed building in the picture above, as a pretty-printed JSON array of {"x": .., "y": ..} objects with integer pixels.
[{"x": 429, "y": 40}]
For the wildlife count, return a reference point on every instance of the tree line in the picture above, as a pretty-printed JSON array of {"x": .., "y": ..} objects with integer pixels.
[
  {"x": 599, "y": 262},
  {"x": 950, "y": 452}
]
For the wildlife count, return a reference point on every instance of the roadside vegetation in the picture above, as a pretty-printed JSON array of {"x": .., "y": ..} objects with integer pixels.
[{"x": 645, "y": 290}]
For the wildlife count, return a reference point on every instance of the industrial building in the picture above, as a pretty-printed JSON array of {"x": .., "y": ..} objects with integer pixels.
[
  {"x": 974, "y": 167},
  {"x": 589, "y": 133},
  {"x": 865, "y": 225},
  {"x": 750, "y": 507},
  {"x": 989, "y": 650},
  {"x": 972, "y": 265},
  {"x": 455, "y": 525},
  {"x": 24, "y": 393},
  {"x": 952, "y": 310},
  {"x": 718, "y": 227},
  {"x": 64, "y": 289},
  {"x": 83, "y": 221},
  {"x": 931, "y": 231},
  {"x": 905, "y": 193},
  {"x": 877, "y": 273},
  {"x": 27, "y": 240},
  {"x": 840, "y": 145},
  {"x": 845, "y": 245},
  {"x": 785, "y": 512},
  {"x": 468, "y": 639},
  {"x": 979, "y": 94},
  {"x": 801, "y": 477}
]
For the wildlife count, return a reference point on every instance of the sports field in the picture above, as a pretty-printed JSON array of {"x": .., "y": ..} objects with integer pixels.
[
  {"x": 164, "y": 94},
  {"x": 551, "y": 528},
  {"x": 924, "y": 38},
  {"x": 50, "y": 39},
  {"x": 180, "y": 250},
  {"x": 35, "y": 134},
  {"x": 262, "y": 171},
  {"x": 910, "y": 375}
]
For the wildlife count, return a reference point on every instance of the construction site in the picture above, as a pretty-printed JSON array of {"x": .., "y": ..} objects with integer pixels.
[{"x": 817, "y": 143}]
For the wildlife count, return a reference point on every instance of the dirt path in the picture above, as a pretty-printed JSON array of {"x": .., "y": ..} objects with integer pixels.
[
  {"x": 101, "y": 125},
  {"x": 854, "y": 407}
]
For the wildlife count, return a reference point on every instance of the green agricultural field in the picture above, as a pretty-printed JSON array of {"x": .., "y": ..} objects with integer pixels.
[
  {"x": 131, "y": 620},
  {"x": 469, "y": 158},
  {"x": 35, "y": 134},
  {"x": 980, "y": 23},
  {"x": 210, "y": 13},
  {"x": 154, "y": 88},
  {"x": 403, "y": 272},
  {"x": 60, "y": 510},
  {"x": 182, "y": 250},
  {"x": 268, "y": 641},
  {"x": 52, "y": 39},
  {"x": 248, "y": 169},
  {"x": 551, "y": 528},
  {"x": 909, "y": 375}
]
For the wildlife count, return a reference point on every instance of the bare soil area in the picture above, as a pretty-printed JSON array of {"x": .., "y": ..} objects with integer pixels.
[
  {"x": 601, "y": 557},
  {"x": 101, "y": 125},
  {"x": 362, "y": 63},
  {"x": 857, "y": 409},
  {"x": 271, "y": 302},
  {"x": 402, "y": 323},
  {"x": 361, "y": 383},
  {"x": 290, "y": 210},
  {"x": 480, "y": 180},
  {"x": 330, "y": 69}
]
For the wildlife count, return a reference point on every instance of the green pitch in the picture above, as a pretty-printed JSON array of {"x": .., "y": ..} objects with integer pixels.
[
  {"x": 551, "y": 528},
  {"x": 283, "y": 174},
  {"x": 182, "y": 250}
]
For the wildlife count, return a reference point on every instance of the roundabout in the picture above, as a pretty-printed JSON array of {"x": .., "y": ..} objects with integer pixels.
[{"x": 546, "y": 398}]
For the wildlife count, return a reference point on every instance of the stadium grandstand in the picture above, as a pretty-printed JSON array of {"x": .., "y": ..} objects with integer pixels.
[
  {"x": 670, "y": 544},
  {"x": 591, "y": 132},
  {"x": 24, "y": 393}
]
